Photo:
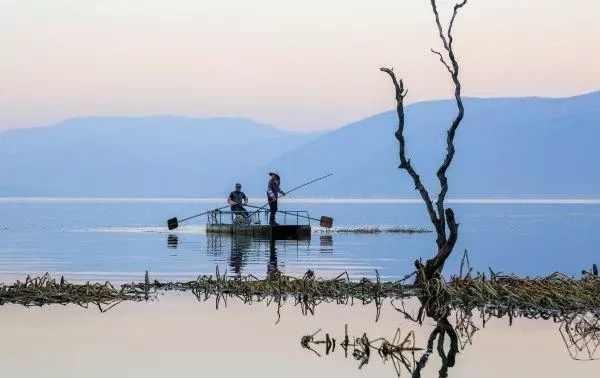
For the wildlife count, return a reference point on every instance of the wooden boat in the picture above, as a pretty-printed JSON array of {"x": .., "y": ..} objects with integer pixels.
[{"x": 233, "y": 223}]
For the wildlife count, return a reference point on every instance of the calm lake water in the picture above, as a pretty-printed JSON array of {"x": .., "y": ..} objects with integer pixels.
[
  {"x": 119, "y": 240},
  {"x": 179, "y": 336}
]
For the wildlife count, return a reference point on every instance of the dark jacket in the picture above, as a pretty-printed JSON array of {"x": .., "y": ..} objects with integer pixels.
[
  {"x": 237, "y": 197},
  {"x": 273, "y": 189}
]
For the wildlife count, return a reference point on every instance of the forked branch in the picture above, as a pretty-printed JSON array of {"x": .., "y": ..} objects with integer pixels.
[
  {"x": 404, "y": 162},
  {"x": 443, "y": 217},
  {"x": 453, "y": 69}
]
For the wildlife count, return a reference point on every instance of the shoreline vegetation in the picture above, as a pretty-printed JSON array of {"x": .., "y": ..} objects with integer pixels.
[
  {"x": 547, "y": 296},
  {"x": 460, "y": 306}
]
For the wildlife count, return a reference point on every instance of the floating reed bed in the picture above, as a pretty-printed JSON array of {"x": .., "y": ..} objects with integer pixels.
[
  {"x": 43, "y": 290},
  {"x": 551, "y": 294},
  {"x": 374, "y": 230},
  {"x": 554, "y": 293}
]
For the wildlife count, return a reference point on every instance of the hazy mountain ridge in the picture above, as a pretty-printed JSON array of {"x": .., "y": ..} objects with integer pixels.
[
  {"x": 506, "y": 147},
  {"x": 130, "y": 156}
]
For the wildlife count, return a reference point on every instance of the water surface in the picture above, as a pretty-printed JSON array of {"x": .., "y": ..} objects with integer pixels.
[
  {"x": 177, "y": 336},
  {"x": 119, "y": 239}
]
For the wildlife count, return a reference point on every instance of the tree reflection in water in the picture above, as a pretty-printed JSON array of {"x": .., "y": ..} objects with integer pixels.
[{"x": 580, "y": 332}]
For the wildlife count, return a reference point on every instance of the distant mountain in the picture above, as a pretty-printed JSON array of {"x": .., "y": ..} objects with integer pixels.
[
  {"x": 505, "y": 147},
  {"x": 146, "y": 156}
]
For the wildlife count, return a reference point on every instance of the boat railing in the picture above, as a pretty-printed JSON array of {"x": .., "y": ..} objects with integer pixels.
[{"x": 259, "y": 217}]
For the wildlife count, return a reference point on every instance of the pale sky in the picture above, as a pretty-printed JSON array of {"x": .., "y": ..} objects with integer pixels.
[{"x": 298, "y": 65}]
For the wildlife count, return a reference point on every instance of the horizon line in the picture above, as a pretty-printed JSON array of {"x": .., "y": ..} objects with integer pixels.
[{"x": 314, "y": 200}]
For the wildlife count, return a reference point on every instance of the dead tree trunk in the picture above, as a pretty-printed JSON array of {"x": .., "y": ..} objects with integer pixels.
[{"x": 442, "y": 218}]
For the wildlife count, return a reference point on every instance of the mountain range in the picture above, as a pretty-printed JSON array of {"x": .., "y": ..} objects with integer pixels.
[{"x": 526, "y": 146}]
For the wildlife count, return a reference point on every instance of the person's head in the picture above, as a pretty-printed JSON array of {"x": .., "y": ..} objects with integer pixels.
[
  {"x": 274, "y": 174},
  {"x": 238, "y": 187}
]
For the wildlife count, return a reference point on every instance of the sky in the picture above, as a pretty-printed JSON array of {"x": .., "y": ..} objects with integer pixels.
[{"x": 298, "y": 65}]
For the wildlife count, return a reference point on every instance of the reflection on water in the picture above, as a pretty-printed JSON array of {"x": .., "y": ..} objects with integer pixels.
[
  {"x": 409, "y": 339},
  {"x": 581, "y": 334},
  {"x": 402, "y": 352},
  {"x": 172, "y": 241},
  {"x": 326, "y": 243},
  {"x": 260, "y": 338},
  {"x": 244, "y": 251},
  {"x": 454, "y": 330}
]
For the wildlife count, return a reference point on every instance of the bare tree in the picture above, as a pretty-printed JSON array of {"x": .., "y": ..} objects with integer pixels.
[{"x": 442, "y": 218}]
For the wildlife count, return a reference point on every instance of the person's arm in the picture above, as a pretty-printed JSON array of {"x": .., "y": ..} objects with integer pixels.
[
  {"x": 230, "y": 200},
  {"x": 270, "y": 191},
  {"x": 245, "y": 199}
]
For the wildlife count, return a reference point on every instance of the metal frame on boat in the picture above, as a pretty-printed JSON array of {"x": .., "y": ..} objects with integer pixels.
[{"x": 295, "y": 225}]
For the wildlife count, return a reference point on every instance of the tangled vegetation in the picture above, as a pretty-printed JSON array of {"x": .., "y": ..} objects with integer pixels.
[
  {"x": 374, "y": 230},
  {"x": 554, "y": 293},
  {"x": 551, "y": 294},
  {"x": 44, "y": 290}
]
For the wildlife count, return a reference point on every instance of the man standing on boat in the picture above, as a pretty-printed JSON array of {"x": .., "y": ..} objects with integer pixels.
[
  {"x": 273, "y": 192},
  {"x": 237, "y": 199}
]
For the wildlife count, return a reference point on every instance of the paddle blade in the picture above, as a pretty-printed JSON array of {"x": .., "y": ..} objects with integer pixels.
[
  {"x": 172, "y": 223},
  {"x": 326, "y": 222}
]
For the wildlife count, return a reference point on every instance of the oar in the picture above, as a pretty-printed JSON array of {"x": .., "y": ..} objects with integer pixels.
[
  {"x": 173, "y": 223},
  {"x": 328, "y": 220},
  {"x": 324, "y": 221}
]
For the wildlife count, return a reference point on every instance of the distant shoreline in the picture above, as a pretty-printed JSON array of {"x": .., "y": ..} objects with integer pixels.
[{"x": 507, "y": 201}]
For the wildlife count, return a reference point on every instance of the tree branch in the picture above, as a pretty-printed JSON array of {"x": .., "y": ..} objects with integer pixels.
[
  {"x": 439, "y": 25},
  {"x": 442, "y": 60},
  {"x": 436, "y": 264},
  {"x": 450, "y": 150},
  {"x": 439, "y": 216},
  {"x": 456, "y": 8},
  {"x": 404, "y": 162}
]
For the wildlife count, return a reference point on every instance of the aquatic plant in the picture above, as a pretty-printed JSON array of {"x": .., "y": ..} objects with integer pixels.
[
  {"x": 399, "y": 350},
  {"x": 373, "y": 230},
  {"x": 550, "y": 294},
  {"x": 44, "y": 290},
  {"x": 544, "y": 295}
]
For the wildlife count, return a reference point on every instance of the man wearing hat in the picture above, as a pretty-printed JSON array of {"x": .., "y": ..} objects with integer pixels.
[
  {"x": 237, "y": 199},
  {"x": 273, "y": 192}
]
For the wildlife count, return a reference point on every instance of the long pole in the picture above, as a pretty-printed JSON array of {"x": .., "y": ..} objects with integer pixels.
[
  {"x": 308, "y": 183},
  {"x": 206, "y": 212},
  {"x": 289, "y": 191}
]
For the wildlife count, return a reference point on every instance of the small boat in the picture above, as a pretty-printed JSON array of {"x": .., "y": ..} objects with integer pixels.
[{"x": 295, "y": 224}]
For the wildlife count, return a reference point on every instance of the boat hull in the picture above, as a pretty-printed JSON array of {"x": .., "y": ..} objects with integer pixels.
[{"x": 281, "y": 232}]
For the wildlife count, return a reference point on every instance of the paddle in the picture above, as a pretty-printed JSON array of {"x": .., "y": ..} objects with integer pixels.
[{"x": 173, "y": 223}]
